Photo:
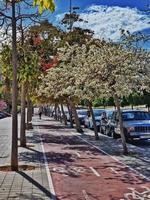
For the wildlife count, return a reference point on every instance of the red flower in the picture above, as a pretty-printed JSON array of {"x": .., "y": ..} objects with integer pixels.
[
  {"x": 37, "y": 40},
  {"x": 47, "y": 65}
]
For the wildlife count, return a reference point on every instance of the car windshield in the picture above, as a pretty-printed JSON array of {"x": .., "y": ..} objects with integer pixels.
[
  {"x": 82, "y": 112},
  {"x": 98, "y": 112},
  {"x": 127, "y": 116}
]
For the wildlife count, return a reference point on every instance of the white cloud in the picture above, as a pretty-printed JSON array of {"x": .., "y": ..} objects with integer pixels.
[{"x": 106, "y": 22}]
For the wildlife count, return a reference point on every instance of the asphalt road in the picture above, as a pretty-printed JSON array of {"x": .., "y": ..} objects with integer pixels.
[{"x": 143, "y": 144}]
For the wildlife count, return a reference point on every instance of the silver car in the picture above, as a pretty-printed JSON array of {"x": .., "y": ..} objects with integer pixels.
[
  {"x": 136, "y": 125},
  {"x": 88, "y": 122}
]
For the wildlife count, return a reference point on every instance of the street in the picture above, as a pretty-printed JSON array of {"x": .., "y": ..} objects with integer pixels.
[
  {"x": 73, "y": 166},
  {"x": 143, "y": 144},
  {"x": 74, "y": 100}
]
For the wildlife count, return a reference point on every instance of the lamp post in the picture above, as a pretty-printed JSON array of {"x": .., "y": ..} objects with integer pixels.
[
  {"x": 70, "y": 21},
  {"x": 14, "y": 146}
]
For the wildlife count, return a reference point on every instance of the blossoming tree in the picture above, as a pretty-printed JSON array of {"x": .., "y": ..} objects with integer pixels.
[{"x": 106, "y": 69}]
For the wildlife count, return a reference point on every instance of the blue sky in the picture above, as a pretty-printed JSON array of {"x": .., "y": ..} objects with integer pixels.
[{"x": 107, "y": 17}]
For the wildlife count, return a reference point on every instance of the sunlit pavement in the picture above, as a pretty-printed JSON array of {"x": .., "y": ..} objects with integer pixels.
[
  {"x": 80, "y": 170},
  {"x": 24, "y": 184}
]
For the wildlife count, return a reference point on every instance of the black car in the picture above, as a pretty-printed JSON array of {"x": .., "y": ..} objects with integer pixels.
[{"x": 136, "y": 124}]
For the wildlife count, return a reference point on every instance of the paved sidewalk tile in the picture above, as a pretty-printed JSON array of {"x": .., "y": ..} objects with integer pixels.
[{"x": 23, "y": 185}]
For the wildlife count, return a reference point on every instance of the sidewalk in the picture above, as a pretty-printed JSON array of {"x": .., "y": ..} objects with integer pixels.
[{"x": 32, "y": 184}]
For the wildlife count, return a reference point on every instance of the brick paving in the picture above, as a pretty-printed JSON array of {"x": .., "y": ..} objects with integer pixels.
[{"x": 31, "y": 184}]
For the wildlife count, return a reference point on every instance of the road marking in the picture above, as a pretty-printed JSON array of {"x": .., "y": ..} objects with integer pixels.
[
  {"x": 49, "y": 177},
  {"x": 78, "y": 154},
  {"x": 134, "y": 194},
  {"x": 114, "y": 158},
  {"x": 85, "y": 195},
  {"x": 113, "y": 170},
  {"x": 94, "y": 171}
]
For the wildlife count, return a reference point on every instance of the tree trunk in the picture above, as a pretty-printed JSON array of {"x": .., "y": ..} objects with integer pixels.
[
  {"x": 117, "y": 102},
  {"x": 29, "y": 112},
  {"x": 70, "y": 115},
  {"x": 23, "y": 125},
  {"x": 63, "y": 114},
  {"x": 32, "y": 110},
  {"x": 93, "y": 119},
  {"x": 59, "y": 114},
  {"x": 28, "y": 100},
  {"x": 55, "y": 111},
  {"x": 76, "y": 119},
  {"x": 14, "y": 146}
]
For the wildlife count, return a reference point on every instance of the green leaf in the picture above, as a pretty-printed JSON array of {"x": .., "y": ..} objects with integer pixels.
[{"x": 44, "y": 5}]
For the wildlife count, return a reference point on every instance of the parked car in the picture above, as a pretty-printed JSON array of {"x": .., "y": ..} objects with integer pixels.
[
  {"x": 88, "y": 122},
  {"x": 104, "y": 122},
  {"x": 81, "y": 115},
  {"x": 4, "y": 114},
  {"x": 136, "y": 125}
]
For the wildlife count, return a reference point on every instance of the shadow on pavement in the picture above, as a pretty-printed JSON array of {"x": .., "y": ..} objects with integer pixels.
[
  {"x": 71, "y": 140},
  {"x": 47, "y": 138},
  {"x": 39, "y": 186},
  {"x": 52, "y": 157},
  {"x": 36, "y": 138},
  {"x": 84, "y": 148},
  {"x": 48, "y": 126}
]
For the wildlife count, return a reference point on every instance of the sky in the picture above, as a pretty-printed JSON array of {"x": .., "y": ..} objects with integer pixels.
[{"x": 107, "y": 17}]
